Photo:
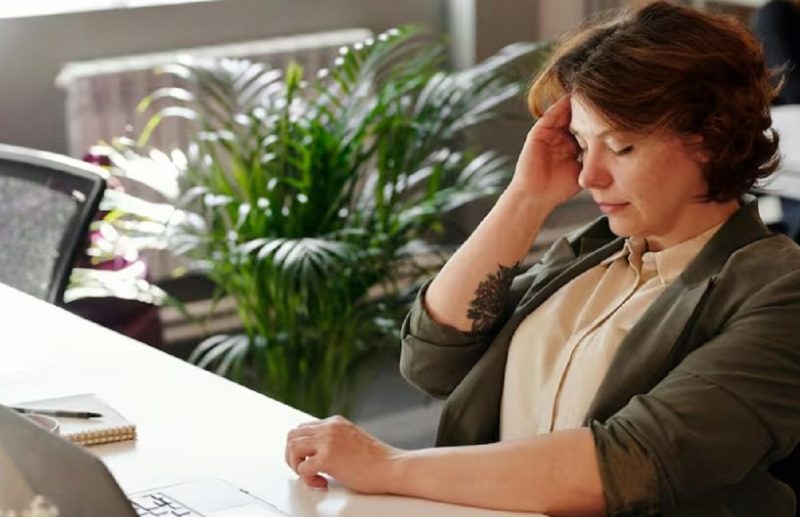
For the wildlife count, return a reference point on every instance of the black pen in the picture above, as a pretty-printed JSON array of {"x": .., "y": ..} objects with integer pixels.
[{"x": 58, "y": 412}]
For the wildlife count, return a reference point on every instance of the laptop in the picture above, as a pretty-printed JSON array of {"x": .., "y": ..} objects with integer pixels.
[{"x": 36, "y": 462}]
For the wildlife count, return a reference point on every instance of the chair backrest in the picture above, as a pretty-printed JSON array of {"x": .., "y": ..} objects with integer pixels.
[{"x": 46, "y": 204}]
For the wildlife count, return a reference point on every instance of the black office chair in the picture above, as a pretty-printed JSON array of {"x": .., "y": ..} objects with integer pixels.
[{"x": 46, "y": 204}]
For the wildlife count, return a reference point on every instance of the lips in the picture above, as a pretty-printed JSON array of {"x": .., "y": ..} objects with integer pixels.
[{"x": 610, "y": 208}]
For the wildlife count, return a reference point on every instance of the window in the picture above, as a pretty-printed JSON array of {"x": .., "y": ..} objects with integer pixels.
[{"x": 42, "y": 7}]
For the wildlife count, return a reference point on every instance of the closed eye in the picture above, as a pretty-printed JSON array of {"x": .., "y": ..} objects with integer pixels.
[{"x": 624, "y": 151}]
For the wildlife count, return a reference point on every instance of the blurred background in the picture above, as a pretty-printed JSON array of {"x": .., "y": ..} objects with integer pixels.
[
  {"x": 74, "y": 72},
  {"x": 41, "y": 37}
]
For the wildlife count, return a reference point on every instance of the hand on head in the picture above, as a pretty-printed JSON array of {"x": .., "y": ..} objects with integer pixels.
[{"x": 547, "y": 168}]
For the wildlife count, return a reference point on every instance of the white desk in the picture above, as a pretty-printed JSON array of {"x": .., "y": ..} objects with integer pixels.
[{"x": 192, "y": 424}]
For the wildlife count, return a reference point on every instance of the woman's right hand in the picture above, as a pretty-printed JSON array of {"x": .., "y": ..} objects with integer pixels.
[
  {"x": 469, "y": 293},
  {"x": 547, "y": 168}
]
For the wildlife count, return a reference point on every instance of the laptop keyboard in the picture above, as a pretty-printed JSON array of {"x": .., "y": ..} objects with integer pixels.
[{"x": 161, "y": 505}]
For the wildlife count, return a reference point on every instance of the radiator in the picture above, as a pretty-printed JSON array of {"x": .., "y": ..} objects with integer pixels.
[{"x": 101, "y": 96}]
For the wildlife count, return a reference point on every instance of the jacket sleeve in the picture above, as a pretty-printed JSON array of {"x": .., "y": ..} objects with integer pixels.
[
  {"x": 730, "y": 405},
  {"x": 436, "y": 357}
]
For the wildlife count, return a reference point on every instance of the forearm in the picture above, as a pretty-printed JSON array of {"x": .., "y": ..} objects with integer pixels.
[
  {"x": 485, "y": 261},
  {"x": 554, "y": 474}
]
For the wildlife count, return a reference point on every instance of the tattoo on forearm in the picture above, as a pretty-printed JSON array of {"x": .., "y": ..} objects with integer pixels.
[{"x": 490, "y": 297}]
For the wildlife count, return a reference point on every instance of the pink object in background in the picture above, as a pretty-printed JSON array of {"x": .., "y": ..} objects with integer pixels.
[{"x": 133, "y": 318}]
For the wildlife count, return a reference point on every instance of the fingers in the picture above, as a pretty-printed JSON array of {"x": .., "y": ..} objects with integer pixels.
[
  {"x": 306, "y": 462},
  {"x": 304, "y": 429},
  {"x": 315, "y": 481},
  {"x": 310, "y": 467},
  {"x": 306, "y": 445},
  {"x": 310, "y": 472},
  {"x": 557, "y": 138},
  {"x": 287, "y": 453},
  {"x": 298, "y": 449},
  {"x": 558, "y": 115}
]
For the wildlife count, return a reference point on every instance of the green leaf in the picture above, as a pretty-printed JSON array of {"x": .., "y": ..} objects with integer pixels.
[
  {"x": 313, "y": 203},
  {"x": 171, "y": 93},
  {"x": 169, "y": 112},
  {"x": 93, "y": 283}
]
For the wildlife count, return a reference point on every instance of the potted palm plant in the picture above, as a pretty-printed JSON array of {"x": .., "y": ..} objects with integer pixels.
[{"x": 311, "y": 201}]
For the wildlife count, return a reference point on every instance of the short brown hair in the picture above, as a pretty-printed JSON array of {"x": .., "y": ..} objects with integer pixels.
[{"x": 664, "y": 66}]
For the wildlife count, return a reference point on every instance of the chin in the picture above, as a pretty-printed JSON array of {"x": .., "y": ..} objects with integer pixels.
[{"x": 624, "y": 228}]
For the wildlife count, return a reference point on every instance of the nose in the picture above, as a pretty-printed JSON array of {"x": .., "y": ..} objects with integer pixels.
[{"x": 594, "y": 171}]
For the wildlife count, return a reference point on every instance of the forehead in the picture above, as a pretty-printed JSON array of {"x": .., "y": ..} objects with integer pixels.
[{"x": 587, "y": 121}]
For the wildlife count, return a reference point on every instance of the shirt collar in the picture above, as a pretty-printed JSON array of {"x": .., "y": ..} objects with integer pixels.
[
  {"x": 633, "y": 247},
  {"x": 670, "y": 262}
]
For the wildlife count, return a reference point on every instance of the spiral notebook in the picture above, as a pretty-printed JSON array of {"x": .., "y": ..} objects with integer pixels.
[{"x": 111, "y": 427}]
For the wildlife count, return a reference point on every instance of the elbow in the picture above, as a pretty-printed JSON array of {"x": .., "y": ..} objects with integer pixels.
[
  {"x": 628, "y": 475},
  {"x": 426, "y": 381}
]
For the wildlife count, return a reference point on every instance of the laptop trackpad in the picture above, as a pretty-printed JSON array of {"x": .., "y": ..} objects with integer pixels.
[
  {"x": 249, "y": 510},
  {"x": 215, "y": 497}
]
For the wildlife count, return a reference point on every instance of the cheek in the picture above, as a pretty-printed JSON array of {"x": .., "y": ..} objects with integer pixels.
[
  {"x": 655, "y": 183},
  {"x": 640, "y": 183},
  {"x": 653, "y": 200}
]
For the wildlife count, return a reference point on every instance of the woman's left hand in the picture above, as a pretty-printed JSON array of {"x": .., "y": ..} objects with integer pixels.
[{"x": 337, "y": 447}]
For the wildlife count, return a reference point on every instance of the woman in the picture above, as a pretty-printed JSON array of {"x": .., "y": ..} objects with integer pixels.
[{"x": 650, "y": 362}]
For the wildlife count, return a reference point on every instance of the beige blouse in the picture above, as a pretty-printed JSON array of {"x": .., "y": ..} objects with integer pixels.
[{"x": 560, "y": 353}]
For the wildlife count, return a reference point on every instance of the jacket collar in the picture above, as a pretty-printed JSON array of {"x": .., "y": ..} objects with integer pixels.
[
  {"x": 742, "y": 228},
  {"x": 651, "y": 348},
  {"x": 471, "y": 414}
]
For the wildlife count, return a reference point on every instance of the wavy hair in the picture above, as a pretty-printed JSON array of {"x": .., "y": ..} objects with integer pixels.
[{"x": 668, "y": 67}]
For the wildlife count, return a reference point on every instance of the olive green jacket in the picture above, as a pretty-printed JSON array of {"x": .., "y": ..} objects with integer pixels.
[{"x": 701, "y": 397}]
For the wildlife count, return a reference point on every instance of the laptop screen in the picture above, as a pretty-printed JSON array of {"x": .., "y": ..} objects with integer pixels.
[{"x": 35, "y": 462}]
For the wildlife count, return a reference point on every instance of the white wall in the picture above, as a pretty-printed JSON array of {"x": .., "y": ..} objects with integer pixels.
[{"x": 33, "y": 50}]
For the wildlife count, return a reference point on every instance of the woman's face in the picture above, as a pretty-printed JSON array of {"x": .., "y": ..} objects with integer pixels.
[{"x": 647, "y": 186}]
